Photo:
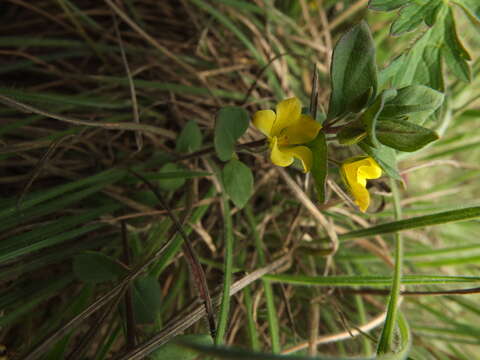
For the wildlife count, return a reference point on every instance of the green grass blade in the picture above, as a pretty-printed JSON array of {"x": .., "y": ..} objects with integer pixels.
[
  {"x": 50, "y": 289},
  {"x": 269, "y": 295},
  {"x": 369, "y": 280},
  {"x": 414, "y": 223},
  {"x": 227, "y": 273}
]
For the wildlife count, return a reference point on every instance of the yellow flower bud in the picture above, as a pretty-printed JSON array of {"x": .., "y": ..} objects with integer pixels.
[{"x": 355, "y": 172}]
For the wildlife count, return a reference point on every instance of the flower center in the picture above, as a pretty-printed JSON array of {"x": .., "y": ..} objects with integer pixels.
[{"x": 283, "y": 140}]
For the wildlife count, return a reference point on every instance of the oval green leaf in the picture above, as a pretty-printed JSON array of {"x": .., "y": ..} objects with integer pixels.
[
  {"x": 353, "y": 72},
  {"x": 403, "y": 135},
  {"x": 190, "y": 139},
  {"x": 412, "y": 99},
  {"x": 146, "y": 299},
  {"x": 370, "y": 116},
  {"x": 231, "y": 123},
  {"x": 238, "y": 182},
  {"x": 95, "y": 267}
]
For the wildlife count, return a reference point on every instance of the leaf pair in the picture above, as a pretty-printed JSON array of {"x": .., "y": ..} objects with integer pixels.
[{"x": 237, "y": 178}]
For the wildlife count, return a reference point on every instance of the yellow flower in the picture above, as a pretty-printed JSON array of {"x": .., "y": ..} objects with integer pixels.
[
  {"x": 355, "y": 172},
  {"x": 285, "y": 129}
]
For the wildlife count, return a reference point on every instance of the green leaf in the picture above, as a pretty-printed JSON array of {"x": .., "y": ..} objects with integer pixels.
[
  {"x": 352, "y": 133},
  {"x": 403, "y": 135},
  {"x": 408, "y": 19},
  {"x": 319, "y": 168},
  {"x": 456, "y": 56},
  {"x": 387, "y": 73},
  {"x": 431, "y": 14},
  {"x": 146, "y": 299},
  {"x": 353, "y": 72},
  {"x": 385, "y": 157},
  {"x": 471, "y": 8},
  {"x": 232, "y": 122},
  {"x": 238, "y": 182},
  {"x": 190, "y": 139},
  {"x": 412, "y": 99},
  {"x": 406, "y": 74},
  {"x": 405, "y": 342},
  {"x": 370, "y": 116},
  {"x": 430, "y": 70},
  {"x": 169, "y": 183},
  {"x": 95, "y": 267},
  {"x": 412, "y": 13},
  {"x": 174, "y": 351},
  {"x": 386, "y": 5}
]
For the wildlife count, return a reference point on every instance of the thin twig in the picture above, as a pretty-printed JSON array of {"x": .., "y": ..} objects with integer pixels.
[
  {"x": 190, "y": 255},
  {"x": 259, "y": 75}
]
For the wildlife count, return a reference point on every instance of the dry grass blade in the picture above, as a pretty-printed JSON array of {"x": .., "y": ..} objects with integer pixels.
[
  {"x": 309, "y": 205},
  {"x": 259, "y": 75},
  {"x": 344, "y": 335},
  {"x": 111, "y": 126},
  {"x": 359, "y": 5},
  {"x": 159, "y": 47},
  {"x": 79, "y": 351},
  {"x": 38, "y": 168},
  {"x": 136, "y": 117},
  {"x": 186, "y": 320}
]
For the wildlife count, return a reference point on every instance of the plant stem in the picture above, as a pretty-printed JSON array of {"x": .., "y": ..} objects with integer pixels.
[{"x": 386, "y": 338}]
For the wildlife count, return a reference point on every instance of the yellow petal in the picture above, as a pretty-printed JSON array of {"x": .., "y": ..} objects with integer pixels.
[
  {"x": 371, "y": 170},
  {"x": 302, "y": 153},
  {"x": 263, "y": 121},
  {"x": 278, "y": 156},
  {"x": 288, "y": 112},
  {"x": 361, "y": 196},
  {"x": 302, "y": 131}
]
